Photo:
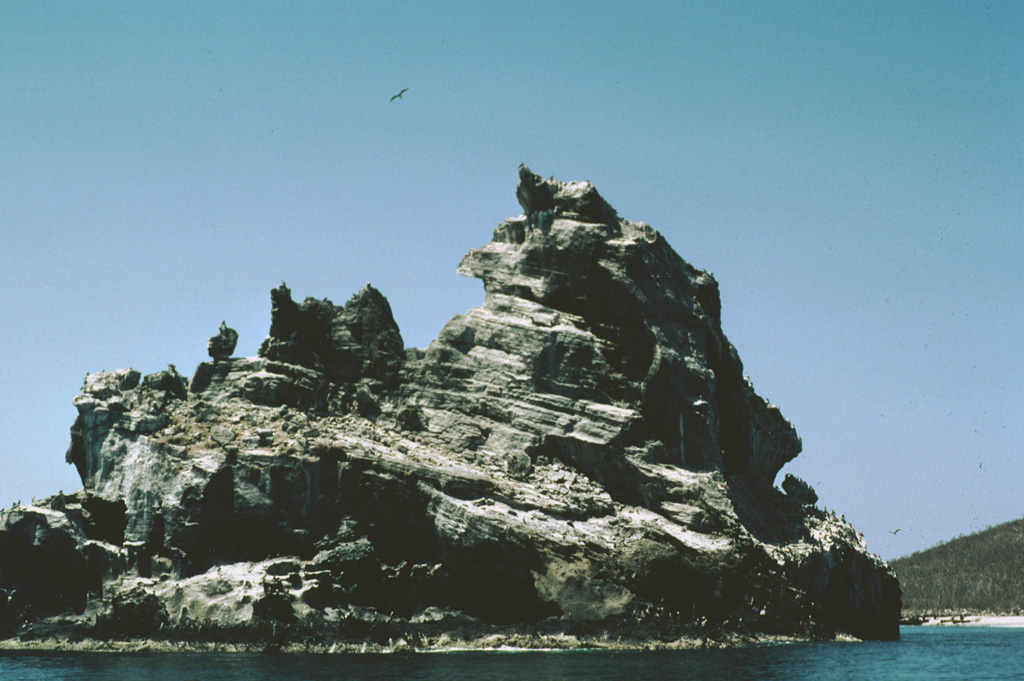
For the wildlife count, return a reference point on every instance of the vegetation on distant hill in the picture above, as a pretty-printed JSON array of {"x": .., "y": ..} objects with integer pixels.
[{"x": 982, "y": 572}]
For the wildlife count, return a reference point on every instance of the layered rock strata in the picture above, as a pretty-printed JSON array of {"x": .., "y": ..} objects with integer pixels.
[{"x": 579, "y": 457}]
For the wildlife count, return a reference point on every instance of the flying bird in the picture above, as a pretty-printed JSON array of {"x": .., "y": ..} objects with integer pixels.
[
  {"x": 896, "y": 531},
  {"x": 399, "y": 95}
]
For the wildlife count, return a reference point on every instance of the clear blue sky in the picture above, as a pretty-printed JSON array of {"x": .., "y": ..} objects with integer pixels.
[{"x": 851, "y": 172}]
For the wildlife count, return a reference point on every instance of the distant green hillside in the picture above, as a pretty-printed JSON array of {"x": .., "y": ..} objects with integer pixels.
[{"x": 982, "y": 572}]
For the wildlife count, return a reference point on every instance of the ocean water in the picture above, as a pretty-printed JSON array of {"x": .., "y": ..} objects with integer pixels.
[{"x": 930, "y": 653}]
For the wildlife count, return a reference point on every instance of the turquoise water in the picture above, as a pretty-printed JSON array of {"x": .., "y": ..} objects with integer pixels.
[{"x": 923, "y": 653}]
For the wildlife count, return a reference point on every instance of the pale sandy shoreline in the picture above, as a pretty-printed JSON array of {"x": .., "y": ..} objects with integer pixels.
[{"x": 1008, "y": 621}]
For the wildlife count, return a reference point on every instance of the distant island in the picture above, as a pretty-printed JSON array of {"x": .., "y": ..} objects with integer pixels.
[
  {"x": 977, "y": 574},
  {"x": 580, "y": 461}
]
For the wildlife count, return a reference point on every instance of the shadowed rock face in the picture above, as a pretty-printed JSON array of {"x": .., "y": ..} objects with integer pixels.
[{"x": 580, "y": 455}]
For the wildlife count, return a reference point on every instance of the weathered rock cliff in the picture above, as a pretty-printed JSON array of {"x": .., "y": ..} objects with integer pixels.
[{"x": 580, "y": 456}]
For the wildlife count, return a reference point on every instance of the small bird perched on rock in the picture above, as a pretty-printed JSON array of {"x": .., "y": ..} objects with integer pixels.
[{"x": 399, "y": 95}]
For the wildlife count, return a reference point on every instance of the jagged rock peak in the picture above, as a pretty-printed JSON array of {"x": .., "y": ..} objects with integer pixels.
[
  {"x": 577, "y": 198},
  {"x": 348, "y": 343},
  {"x": 654, "y": 318}
]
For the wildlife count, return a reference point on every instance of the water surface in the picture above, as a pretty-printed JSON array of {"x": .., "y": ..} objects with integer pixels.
[{"x": 923, "y": 653}]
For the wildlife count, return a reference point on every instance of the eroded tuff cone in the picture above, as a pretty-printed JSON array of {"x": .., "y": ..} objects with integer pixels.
[
  {"x": 578, "y": 456},
  {"x": 223, "y": 344}
]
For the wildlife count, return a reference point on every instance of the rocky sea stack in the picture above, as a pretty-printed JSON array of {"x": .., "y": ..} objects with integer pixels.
[{"x": 579, "y": 460}]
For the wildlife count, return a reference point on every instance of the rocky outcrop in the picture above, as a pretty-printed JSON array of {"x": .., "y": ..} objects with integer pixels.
[
  {"x": 581, "y": 456},
  {"x": 799, "y": 490},
  {"x": 357, "y": 342},
  {"x": 223, "y": 344}
]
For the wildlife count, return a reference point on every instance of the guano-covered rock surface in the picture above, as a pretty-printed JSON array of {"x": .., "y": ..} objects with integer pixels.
[{"x": 579, "y": 460}]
